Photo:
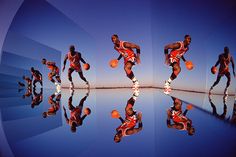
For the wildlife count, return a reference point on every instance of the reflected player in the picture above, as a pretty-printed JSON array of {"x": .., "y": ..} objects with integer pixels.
[
  {"x": 172, "y": 59},
  {"x": 28, "y": 81},
  {"x": 76, "y": 118},
  {"x": 55, "y": 72},
  {"x": 180, "y": 121},
  {"x": 54, "y": 102},
  {"x": 74, "y": 57},
  {"x": 224, "y": 59},
  {"x": 125, "y": 50},
  {"x": 37, "y": 98},
  {"x": 37, "y": 77},
  {"x": 131, "y": 119}
]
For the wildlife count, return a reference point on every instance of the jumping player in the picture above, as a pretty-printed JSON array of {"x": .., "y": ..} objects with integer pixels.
[
  {"x": 37, "y": 76},
  {"x": 172, "y": 59},
  {"x": 76, "y": 119},
  {"x": 131, "y": 119},
  {"x": 125, "y": 50},
  {"x": 54, "y": 72},
  {"x": 224, "y": 59},
  {"x": 180, "y": 121},
  {"x": 74, "y": 58}
]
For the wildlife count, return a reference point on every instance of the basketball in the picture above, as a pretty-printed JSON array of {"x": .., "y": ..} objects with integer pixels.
[
  {"x": 86, "y": 66},
  {"x": 189, "y": 107},
  {"x": 189, "y": 65},
  {"x": 115, "y": 114},
  {"x": 113, "y": 63},
  {"x": 87, "y": 111},
  {"x": 213, "y": 70}
]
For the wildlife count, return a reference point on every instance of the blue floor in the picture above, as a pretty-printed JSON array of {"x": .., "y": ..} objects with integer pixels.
[{"x": 25, "y": 132}]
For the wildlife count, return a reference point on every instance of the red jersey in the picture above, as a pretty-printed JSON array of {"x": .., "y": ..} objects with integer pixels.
[
  {"x": 176, "y": 54},
  {"x": 129, "y": 123},
  {"x": 75, "y": 60},
  {"x": 224, "y": 63},
  {"x": 128, "y": 54},
  {"x": 52, "y": 66}
]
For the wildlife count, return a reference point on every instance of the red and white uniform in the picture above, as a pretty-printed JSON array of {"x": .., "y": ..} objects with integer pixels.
[
  {"x": 128, "y": 54},
  {"x": 176, "y": 54},
  {"x": 52, "y": 66},
  {"x": 224, "y": 64},
  {"x": 129, "y": 123},
  {"x": 75, "y": 61},
  {"x": 75, "y": 115},
  {"x": 180, "y": 119}
]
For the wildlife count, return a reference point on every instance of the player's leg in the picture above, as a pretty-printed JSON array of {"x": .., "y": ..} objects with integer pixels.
[
  {"x": 215, "y": 83},
  {"x": 128, "y": 70},
  {"x": 228, "y": 82},
  {"x": 175, "y": 72},
  {"x": 70, "y": 71},
  {"x": 83, "y": 78}
]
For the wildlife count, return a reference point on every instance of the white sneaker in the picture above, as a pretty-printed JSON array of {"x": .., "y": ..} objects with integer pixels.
[
  {"x": 71, "y": 85},
  {"x": 58, "y": 87},
  {"x": 135, "y": 94},
  {"x": 167, "y": 84},
  {"x": 136, "y": 85}
]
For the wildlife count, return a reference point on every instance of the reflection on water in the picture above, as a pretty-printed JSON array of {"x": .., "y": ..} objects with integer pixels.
[
  {"x": 76, "y": 118},
  {"x": 132, "y": 117},
  {"x": 152, "y": 118},
  {"x": 179, "y": 118}
]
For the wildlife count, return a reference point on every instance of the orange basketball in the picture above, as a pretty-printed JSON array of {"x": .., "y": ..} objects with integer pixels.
[
  {"x": 213, "y": 70},
  {"x": 113, "y": 63},
  {"x": 87, "y": 111},
  {"x": 86, "y": 66},
  {"x": 115, "y": 114},
  {"x": 189, "y": 65},
  {"x": 189, "y": 107}
]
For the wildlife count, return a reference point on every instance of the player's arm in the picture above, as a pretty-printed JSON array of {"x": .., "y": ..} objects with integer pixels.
[
  {"x": 183, "y": 59},
  {"x": 166, "y": 50},
  {"x": 64, "y": 63},
  {"x": 218, "y": 61},
  {"x": 65, "y": 115},
  {"x": 81, "y": 103},
  {"x": 134, "y": 46},
  {"x": 232, "y": 61},
  {"x": 120, "y": 56},
  {"x": 82, "y": 60}
]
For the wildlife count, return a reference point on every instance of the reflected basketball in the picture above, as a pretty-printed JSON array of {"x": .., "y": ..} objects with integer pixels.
[
  {"x": 213, "y": 70},
  {"x": 189, "y": 107},
  {"x": 189, "y": 65},
  {"x": 86, "y": 66},
  {"x": 113, "y": 63},
  {"x": 87, "y": 111},
  {"x": 115, "y": 114}
]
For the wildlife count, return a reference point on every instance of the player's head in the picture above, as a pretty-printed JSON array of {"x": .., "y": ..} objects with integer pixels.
[
  {"x": 44, "y": 61},
  {"x": 117, "y": 138},
  {"x": 32, "y": 69},
  {"x": 73, "y": 127},
  {"x": 72, "y": 48},
  {"x": 115, "y": 39},
  {"x": 226, "y": 50},
  {"x": 187, "y": 39}
]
